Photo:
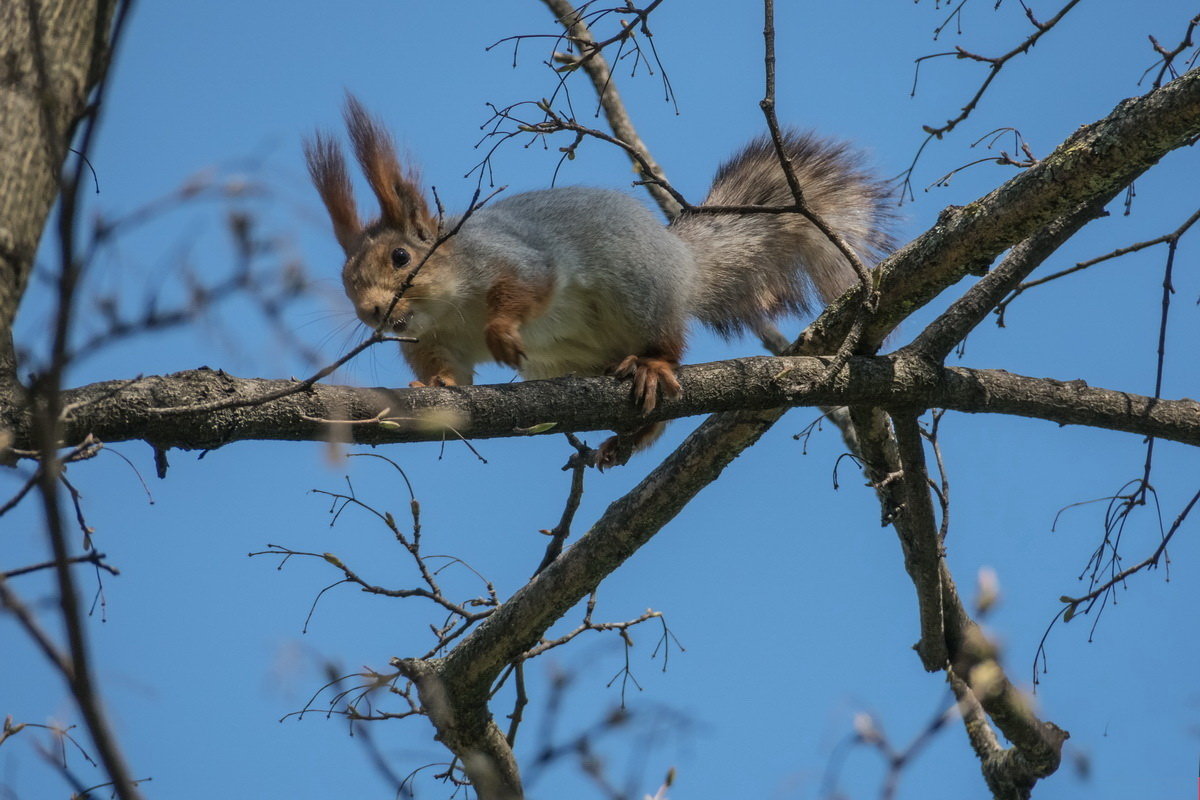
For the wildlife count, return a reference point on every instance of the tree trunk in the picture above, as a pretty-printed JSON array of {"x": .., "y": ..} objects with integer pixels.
[{"x": 52, "y": 53}]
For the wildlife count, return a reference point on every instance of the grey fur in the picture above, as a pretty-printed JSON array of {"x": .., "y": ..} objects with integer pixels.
[
  {"x": 621, "y": 280},
  {"x": 752, "y": 268},
  {"x": 733, "y": 271}
]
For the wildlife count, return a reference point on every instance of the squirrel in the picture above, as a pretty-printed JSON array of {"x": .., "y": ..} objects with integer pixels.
[{"x": 587, "y": 281}]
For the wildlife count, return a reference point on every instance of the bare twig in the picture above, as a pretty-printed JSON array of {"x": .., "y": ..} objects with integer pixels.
[
  {"x": 94, "y": 557},
  {"x": 995, "y": 64},
  {"x": 295, "y": 388},
  {"x": 558, "y": 535},
  {"x": 869, "y": 294},
  {"x": 1084, "y": 603},
  {"x": 1171, "y": 239},
  {"x": 75, "y": 664},
  {"x": 1167, "y": 57},
  {"x": 868, "y": 732},
  {"x": 376, "y": 336},
  {"x": 594, "y": 64}
]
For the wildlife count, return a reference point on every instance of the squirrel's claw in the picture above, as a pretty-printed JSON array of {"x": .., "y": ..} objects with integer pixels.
[
  {"x": 650, "y": 377},
  {"x": 435, "y": 382},
  {"x": 613, "y": 452},
  {"x": 616, "y": 450}
]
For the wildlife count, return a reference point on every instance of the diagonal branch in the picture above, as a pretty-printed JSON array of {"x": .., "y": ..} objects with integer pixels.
[
  {"x": 1092, "y": 163},
  {"x": 1170, "y": 239},
  {"x": 592, "y": 62},
  {"x": 458, "y": 684},
  {"x": 945, "y": 333}
]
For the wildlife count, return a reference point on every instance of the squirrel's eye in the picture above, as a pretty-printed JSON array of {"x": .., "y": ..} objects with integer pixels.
[{"x": 400, "y": 258}]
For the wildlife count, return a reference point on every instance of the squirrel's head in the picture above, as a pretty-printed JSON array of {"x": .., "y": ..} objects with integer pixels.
[{"x": 395, "y": 270}]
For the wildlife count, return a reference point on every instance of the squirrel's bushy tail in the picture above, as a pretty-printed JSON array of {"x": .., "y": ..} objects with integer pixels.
[{"x": 755, "y": 267}]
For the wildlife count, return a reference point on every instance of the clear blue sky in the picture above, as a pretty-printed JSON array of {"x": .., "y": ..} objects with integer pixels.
[{"x": 788, "y": 595}]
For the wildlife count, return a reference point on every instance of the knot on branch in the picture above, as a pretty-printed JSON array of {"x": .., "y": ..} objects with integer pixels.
[{"x": 1014, "y": 772}]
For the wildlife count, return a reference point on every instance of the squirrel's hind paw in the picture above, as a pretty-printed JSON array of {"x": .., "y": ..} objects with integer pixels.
[
  {"x": 613, "y": 452},
  {"x": 616, "y": 450},
  {"x": 650, "y": 377}
]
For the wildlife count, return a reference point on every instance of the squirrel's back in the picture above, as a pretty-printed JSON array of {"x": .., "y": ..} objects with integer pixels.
[
  {"x": 618, "y": 277},
  {"x": 618, "y": 272},
  {"x": 581, "y": 234}
]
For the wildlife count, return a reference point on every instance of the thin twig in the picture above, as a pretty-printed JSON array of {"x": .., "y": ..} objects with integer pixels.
[
  {"x": 1167, "y": 238},
  {"x": 94, "y": 557},
  {"x": 1073, "y": 603},
  {"x": 995, "y": 64}
]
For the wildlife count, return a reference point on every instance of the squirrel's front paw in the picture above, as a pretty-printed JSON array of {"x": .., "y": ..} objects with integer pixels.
[
  {"x": 505, "y": 344},
  {"x": 434, "y": 382},
  {"x": 650, "y": 377}
]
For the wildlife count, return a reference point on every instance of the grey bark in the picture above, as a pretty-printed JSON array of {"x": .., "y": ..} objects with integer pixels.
[
  {"x": 51, "y": 55},
  {"x": 152, "y": 409},
  {"x": 1095, "y": 162}
]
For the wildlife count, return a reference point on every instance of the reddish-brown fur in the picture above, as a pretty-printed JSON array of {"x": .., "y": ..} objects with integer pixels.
[
  {"x": 431, "y": 365},
  {"x": 510, "y": 303},
  {"x": 653, "y": 373},
  {"x": 653, "y": 370},
  {"x": 400, "y": 200},
  {"x": 328, "y": 171}
]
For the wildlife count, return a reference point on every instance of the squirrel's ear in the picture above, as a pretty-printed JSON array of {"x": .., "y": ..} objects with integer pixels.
[
  {"x": 328, "y": 171},
  {"x": 399, "y": 194}
]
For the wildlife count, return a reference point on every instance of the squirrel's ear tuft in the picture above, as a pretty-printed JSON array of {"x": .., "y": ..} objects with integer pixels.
[
  {"x": 328, "y": 170},
  {"x": 399, "y": 194}
]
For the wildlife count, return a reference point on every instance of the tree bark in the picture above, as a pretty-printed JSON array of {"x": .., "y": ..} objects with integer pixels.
[
  {"x": 1096, "y": 161},
  {"x": 154, "y": 409},
  {"x": 52, "y": 52}
]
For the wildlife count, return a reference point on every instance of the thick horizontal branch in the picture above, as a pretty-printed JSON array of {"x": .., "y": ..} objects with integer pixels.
[{"x": 132, "y": 410}]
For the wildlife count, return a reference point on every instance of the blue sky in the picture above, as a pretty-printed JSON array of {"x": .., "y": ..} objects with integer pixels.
[{"x": 788, "y": 596}]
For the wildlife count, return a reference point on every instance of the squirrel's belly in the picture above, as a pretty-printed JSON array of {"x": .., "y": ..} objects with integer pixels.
[
  {"x": 554, "y": 357},
  {"x": 586, "y": 330},
  {"x": 555, "y": 347}
]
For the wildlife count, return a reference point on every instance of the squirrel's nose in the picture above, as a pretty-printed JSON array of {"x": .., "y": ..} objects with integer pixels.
[{"x": 371, "y": 316}]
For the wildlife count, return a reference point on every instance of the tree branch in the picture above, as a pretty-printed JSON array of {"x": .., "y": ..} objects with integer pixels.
[
  {"x": 919, "y": 540},
  {"x": 942, "y": 335},
  {"x": 116, "y": 411},
  {"x": 1094, "y": 162},
  {"x": 594, "y": 64}
]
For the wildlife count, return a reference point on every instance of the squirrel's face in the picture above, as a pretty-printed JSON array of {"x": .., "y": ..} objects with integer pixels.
[
  {"x": 396, "y": 279},
  {"x": 396, "y": 284}
]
